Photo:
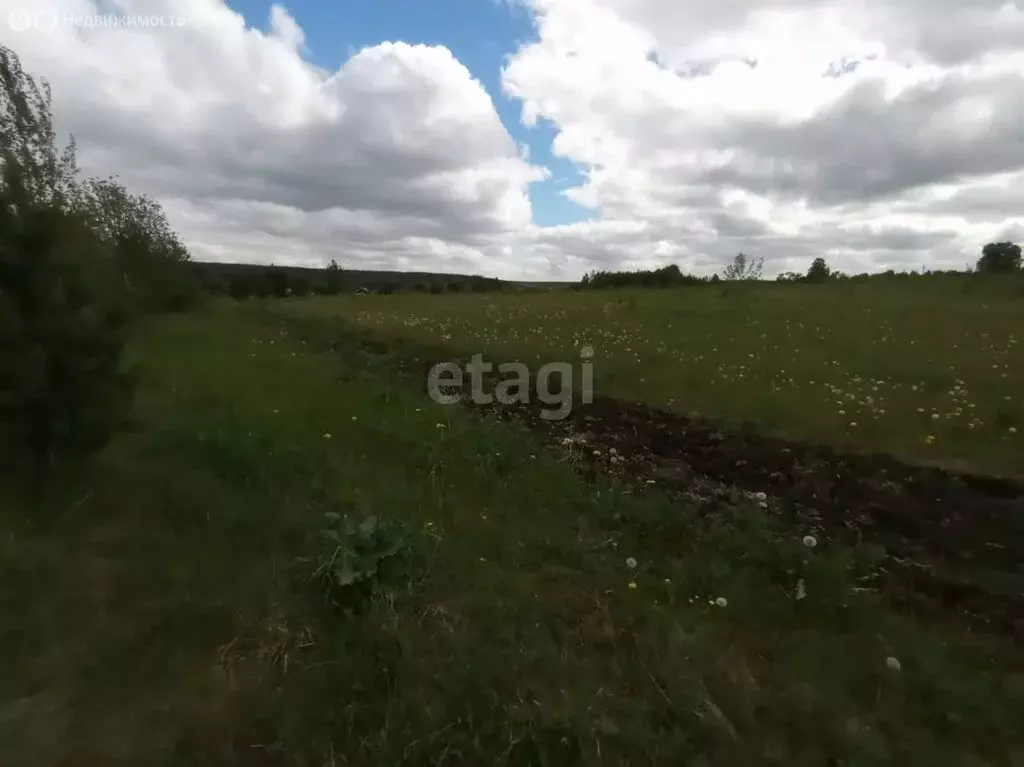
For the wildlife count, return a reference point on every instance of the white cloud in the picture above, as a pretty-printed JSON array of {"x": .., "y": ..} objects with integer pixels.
[
  {"x": 878, "y": 135},
  {"x": 397, "y": 157},
  {"x": 798, "y": 129}
]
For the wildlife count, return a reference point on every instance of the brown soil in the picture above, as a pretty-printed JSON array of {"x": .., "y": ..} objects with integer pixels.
[{"x": 952, "y": 541}]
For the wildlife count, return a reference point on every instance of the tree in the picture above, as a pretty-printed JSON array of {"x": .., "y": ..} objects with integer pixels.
[
  {"x": 117, "y": 215},
  {"x": 47, "y": 174},
  {"x": 149, "y": 253},
  {"x": 743, "y": 268},
  {"x": 819, "y": 271},
  {"x": 277, "y": 282},
  {"x": 1000, "y": 258},
  {"x": 135, "y": 226},
  {"x": 333, "y": 278},
  {"x": 62, "y": 315},
  {"x": 62, "y": 328}
]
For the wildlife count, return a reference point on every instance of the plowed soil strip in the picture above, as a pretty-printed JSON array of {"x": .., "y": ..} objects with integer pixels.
[{"x": 953, "y": 541}]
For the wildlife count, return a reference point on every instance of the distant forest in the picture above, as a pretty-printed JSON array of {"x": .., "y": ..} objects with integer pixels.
[{"x": 262, "y": 281}]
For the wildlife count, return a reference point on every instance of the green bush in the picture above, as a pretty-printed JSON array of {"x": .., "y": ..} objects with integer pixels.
[
  {"x": 62, "y": 328},
  {"x": 149, "y": 254}
]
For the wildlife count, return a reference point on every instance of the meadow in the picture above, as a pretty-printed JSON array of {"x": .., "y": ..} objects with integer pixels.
[
  {"x": 296, "y": 557},
  {"x": 930, "y": 373}
]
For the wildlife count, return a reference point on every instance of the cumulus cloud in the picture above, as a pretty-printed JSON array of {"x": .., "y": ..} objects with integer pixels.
[
  {"x": 397, "y": 158},
  {"x": 878, "y": 135}
]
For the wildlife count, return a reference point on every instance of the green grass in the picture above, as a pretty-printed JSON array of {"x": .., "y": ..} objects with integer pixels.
[
  {"x": 927, "y": 372},
  {"x": 163, "y": 612}
]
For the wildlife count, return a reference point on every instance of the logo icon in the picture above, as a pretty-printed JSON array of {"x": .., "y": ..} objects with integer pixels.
[
  {"x": 23, "y": 19},
  {"x": 20, "y": 19}
]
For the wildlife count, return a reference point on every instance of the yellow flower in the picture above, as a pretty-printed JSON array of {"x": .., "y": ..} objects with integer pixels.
[{"x": 631, "y": 584}]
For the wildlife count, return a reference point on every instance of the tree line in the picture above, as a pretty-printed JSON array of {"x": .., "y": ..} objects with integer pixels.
[
  {"x": 997, "y": 258},
  {"x": 250, "y": 281}
]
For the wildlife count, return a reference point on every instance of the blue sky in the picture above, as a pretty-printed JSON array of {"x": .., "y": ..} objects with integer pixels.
[{"x": 479, "y": 33}]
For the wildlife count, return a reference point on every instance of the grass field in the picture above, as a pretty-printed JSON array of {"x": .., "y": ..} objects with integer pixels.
[
  {"x": 930, "y": 374},
  {"x": 171, "y": 607}
]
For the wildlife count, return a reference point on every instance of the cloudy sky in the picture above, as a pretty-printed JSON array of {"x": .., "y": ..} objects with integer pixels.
[{"x": 540, "y": 139}]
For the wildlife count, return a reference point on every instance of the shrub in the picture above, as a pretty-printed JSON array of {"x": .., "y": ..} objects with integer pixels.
[{"x": 62, "y": 325}]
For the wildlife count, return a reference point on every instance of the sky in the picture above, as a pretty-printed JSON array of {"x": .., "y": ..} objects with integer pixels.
[{"x": 543, "y": 139}]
